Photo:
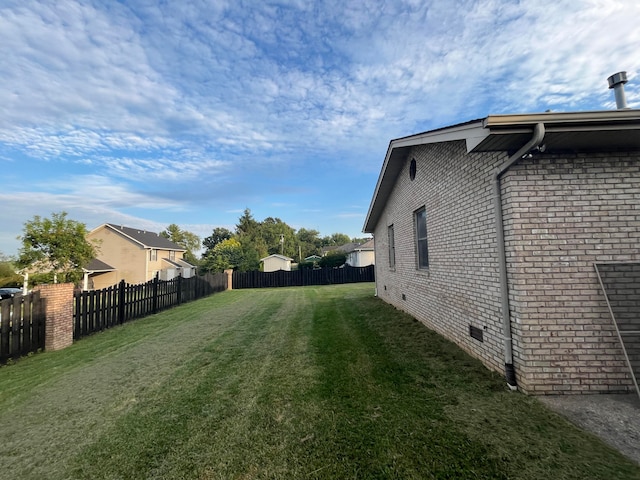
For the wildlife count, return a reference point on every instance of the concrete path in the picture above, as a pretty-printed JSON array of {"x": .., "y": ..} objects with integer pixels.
[{"x": 613, "y": 418}]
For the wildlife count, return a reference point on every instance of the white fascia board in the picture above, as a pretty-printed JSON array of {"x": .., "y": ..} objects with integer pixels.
[
  {"x": 550, "y": 118},
  {"x": 473, "y": 133}
]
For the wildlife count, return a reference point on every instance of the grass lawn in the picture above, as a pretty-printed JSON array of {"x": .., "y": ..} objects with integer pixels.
[{"x": 313, "y": 382}]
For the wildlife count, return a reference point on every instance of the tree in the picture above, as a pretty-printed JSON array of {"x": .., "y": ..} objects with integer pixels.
[
  {"x": 8, "y": 275},
  {"x": 57, "y": 245},
  {"x": 279, "y": 237},
  {"x": 226, "y": 254},
  {"x": 254, "y": 246},
  {"x": 360, "y": 240},
  {"x": 251, "y": 256},
  {"x": 272, "y": 235},
  {"x": 218, "y": 235},
  {"x": 336, "y": 239},
  {"x": 309, "y": 242},
  {"x": 247, "y": 225},
  {"x": 334, "y": 258},
  {"x": 187, "y": 240}
]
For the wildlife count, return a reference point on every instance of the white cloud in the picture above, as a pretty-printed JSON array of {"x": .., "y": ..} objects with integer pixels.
[{"x": 201, "y": 99}]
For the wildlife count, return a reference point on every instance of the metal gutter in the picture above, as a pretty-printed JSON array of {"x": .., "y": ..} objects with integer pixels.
[
  {"x": 567, "y": 118},
  {"x": 535, "y": 141}
]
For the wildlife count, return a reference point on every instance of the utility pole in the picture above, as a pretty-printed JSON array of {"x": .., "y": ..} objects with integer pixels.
[{"x": 282, "y": 244}]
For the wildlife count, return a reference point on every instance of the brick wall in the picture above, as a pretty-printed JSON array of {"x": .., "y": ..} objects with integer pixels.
[
  {"x": 563, "y": 214},
  {"x": 461, "y": 286},
  {"x": 58, "y": 300}
]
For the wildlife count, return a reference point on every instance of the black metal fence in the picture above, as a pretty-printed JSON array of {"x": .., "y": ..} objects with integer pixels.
[
  {"x": 22, "y": 326},
  {"x": 97, "y": 310},
  {"x": 298, "y": 278}
]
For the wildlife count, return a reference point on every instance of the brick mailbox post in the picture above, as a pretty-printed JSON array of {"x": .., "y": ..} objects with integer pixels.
[
  {"x": 229, "y": 273},
  {"x": 58, "y": 301}
]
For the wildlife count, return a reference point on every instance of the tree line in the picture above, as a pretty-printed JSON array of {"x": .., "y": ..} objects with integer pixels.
[
  {"x": 252, "y": 240},
  {"x": 58, "y": 246}
]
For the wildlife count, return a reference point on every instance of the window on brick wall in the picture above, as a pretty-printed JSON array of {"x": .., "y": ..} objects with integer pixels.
[
  {"x": 422, "y": 248},
  {"x": 392, "y": 247}
]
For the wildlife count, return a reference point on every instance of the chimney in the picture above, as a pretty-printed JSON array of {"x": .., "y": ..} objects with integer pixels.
[{"x": 617, "y": 81}]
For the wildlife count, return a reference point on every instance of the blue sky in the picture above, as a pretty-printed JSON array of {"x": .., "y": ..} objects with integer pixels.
[{"x": 146, "y": 113}]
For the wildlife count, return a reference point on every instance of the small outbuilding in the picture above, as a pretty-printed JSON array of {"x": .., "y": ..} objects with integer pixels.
[{"x": 276, "y": 262}]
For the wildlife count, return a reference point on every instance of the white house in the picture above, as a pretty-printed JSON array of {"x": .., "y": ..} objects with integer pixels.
[
  {"x": 362, "y": 255},
  {"x": 276, "y": 262}
]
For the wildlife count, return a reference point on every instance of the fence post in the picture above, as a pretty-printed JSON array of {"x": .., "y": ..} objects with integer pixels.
[
  {"x": 229, "y": 272},
  {"x": 155, "y": 293},
  {"x": 58, "y": 301},
  {"x": 121, "y": 300},
  {"x": 179, "y": 289}
]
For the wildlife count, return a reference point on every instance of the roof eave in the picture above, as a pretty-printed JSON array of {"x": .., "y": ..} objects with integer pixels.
[
  {"x": 472, "y": 132},
  {"x": 143, "y": 244},
  {"x": 550, "y": 118},
  {"x": 485, "y": 134}
]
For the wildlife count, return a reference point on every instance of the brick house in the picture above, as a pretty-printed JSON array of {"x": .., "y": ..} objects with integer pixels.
[
  {"x": 135, "y": 256},
  {"x": 488, "y": 232}
]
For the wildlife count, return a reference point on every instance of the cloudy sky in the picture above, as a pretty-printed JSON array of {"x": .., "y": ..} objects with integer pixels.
[{"x": 148, "y": 112}]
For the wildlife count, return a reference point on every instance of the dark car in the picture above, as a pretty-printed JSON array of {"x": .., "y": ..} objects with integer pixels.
[{"x": 9, "y": 292}]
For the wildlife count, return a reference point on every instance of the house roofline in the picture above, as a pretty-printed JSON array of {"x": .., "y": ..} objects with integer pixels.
[
  {"x": 122, "y": 232},
  {"x": 277, "y": 256},
  {"x": 574, "y": 131},
  {"x": 178, "y": 263}
]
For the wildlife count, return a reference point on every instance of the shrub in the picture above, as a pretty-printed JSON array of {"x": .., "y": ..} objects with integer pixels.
[{"x": 333, "y": 259}]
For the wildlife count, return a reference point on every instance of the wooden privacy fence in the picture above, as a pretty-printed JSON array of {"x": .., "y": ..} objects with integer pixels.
[
  {"x": 298, "y": 278},
  {"x": 97, "y": 310},
  {"x": 22, "y": 326}
]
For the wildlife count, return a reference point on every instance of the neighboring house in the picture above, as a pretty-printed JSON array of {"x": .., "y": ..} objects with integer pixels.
[
  {"x": 488, "y": 232},
  {"x": 357, "y": 254},
  {"x": 276, "y": 262},
  {"x": 362, "y": 255},
  {"x": 346, "y": 248},
  {"x": 97, "y": 268},
  {"x": 313, "y": 258},
  {"x": 136, "y": 256}
]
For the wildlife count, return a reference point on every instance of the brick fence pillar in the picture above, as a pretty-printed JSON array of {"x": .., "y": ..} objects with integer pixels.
[
  {"x": 229, "y": 273},
  {"x": 58, "y": 304}
]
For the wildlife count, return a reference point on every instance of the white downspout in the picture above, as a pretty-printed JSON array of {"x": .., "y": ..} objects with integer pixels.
[{"x": 536, "y": 140}]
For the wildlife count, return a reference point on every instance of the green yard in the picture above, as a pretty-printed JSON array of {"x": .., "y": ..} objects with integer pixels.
[{"x": 291, "y": 383}]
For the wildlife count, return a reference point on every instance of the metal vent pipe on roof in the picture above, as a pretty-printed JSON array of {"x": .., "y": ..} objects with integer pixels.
[{"x": 617, "y": 81}]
